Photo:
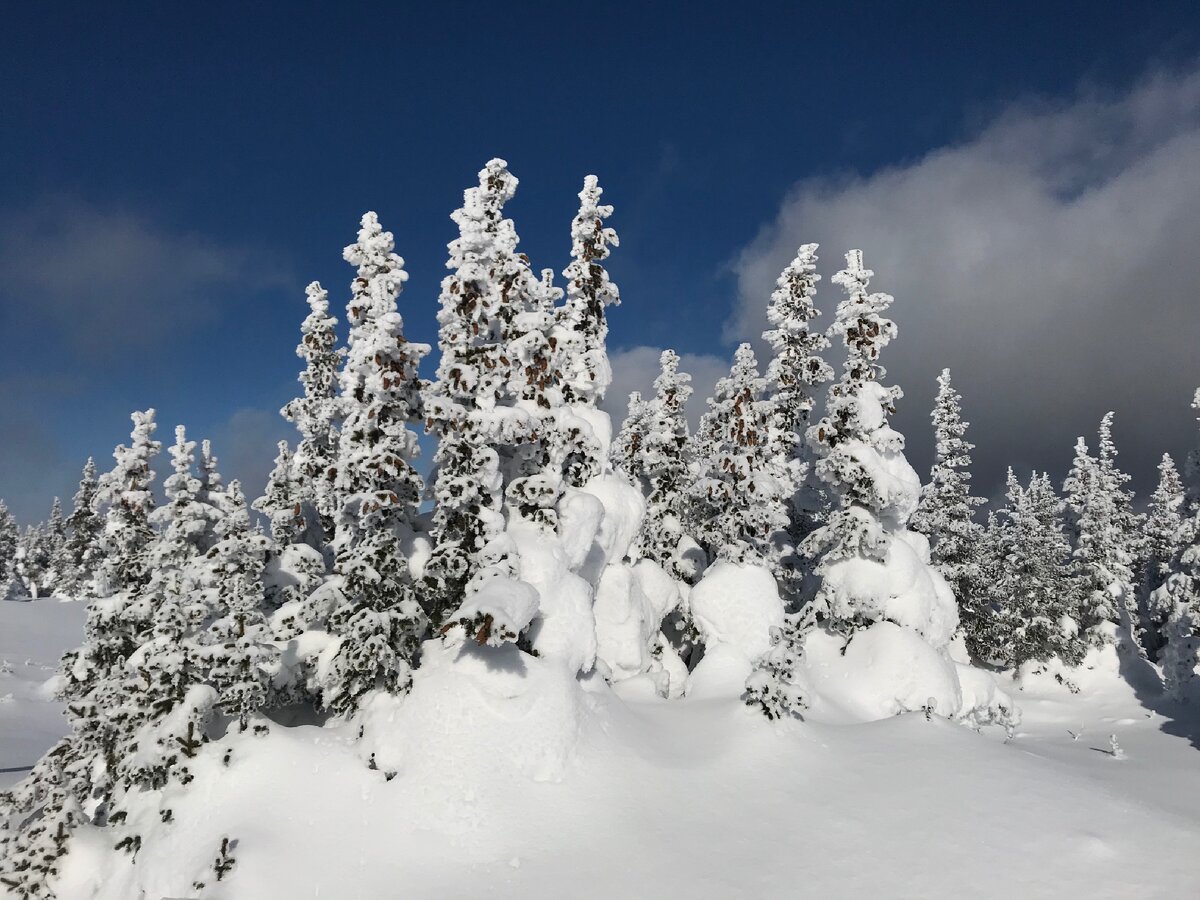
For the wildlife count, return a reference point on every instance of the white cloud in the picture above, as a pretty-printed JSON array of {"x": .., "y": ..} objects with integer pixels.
[{"x": 1050, "y": 260}]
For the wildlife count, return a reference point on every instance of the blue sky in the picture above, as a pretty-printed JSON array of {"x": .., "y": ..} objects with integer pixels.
[{"x": 173, "y": 177}]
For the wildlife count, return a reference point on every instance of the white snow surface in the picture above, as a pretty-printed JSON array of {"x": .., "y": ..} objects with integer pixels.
[{"x": 516, "y": 781}]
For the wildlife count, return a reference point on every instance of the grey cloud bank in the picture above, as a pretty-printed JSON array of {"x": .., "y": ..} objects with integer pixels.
[{"x": 1050, "y": 261}]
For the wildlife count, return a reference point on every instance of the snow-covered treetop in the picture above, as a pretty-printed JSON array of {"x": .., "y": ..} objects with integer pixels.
[
  {"x": 583, "y": 327},
  {"x": 797, "y": 365},
  {"x": 380, "y": 386},
  {"x": 184, "y": 518},
  {"x": 739, "y": 494},
  {"x": 857, "y": 407},
  {"x": 317, "y": 349},
  {"x": 627, "y": 446},
  {"x": 860, "y": 320},
  {"x": 489, "y": 286}
]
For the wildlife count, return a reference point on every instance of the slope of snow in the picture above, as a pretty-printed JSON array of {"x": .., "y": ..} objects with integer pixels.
[
  {"x": 498, "y": 776},
  {"x": 32, "y": 638}
]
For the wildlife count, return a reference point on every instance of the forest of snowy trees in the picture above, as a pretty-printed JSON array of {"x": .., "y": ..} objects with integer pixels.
[{"x": 786, "y": 543}]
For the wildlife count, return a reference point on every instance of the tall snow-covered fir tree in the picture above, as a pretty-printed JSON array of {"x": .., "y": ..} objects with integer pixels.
[
  {"x": 738, "y": 500},
  {"x": 1164, "y": 518},
  {"x": 864, "y": 542},
  {"x": 1180, "y": 592},
  {"x": 793, "y": 375},
  {"x": 470, "y": 405},
  {"x": 946, "y": 513},
  {"x": 1034, "y": 591},
  {"x": 378, "y": 621},
  {"x": 856, "y": 415},
  {"x": 316, "y": 414},
  {"x": 84, "y": 527}
]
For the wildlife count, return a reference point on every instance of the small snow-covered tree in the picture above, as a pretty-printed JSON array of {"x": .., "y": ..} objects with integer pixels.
[
  {"x": 1164, "y": 517},
  {"x": 211, "y": 493},
  {"x": 9, "y": 538},
  {"x": 378, "y": 621},
  {"x": 1180, "y": 592},
  {"x": 238, "y": 654},
  {"x": 738, "y": 499},
  {"x": 626, "y": 452},
  {"x": 1103, "y": 528},
  {"x": 80, "y": 554},
  {"x": 946, "y": 513},
  {"x": 583, "y": 328},
  {"x": 126, "y": 495},
  {"x": 663, "y": 462},
  {"x": 283, "y": 502},
  {"x": 1034, "y": 592},
  {"x": 316, "y": 414}
]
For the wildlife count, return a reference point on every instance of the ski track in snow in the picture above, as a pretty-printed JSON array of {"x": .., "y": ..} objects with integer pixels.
[{"x": 698, "y": 798}]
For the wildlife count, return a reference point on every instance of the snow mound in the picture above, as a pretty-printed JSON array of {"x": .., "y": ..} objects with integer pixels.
[
  {"x": 630, "y": 605},
  {"x": 737, "y": 605},
  {"x": 901, "y": 588},
  {"x": 884, "y": 670},
  {"x": 476, "y": 716}
]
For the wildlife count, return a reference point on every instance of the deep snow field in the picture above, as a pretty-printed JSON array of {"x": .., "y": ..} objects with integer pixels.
[{"x": 507, "y": 784}]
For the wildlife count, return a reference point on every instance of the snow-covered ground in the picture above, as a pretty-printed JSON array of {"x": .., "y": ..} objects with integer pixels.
[{"x": 508, "y": 785}]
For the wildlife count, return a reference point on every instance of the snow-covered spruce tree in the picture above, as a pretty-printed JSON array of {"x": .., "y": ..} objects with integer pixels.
[
  {"x": 283, "y": 502},
  {"x": 855, "y": 421},
  {"x": 470, "y": 406},
  {"x": 1180, "y": 592},
  {"x": 946, "y": 513},
  {"x": 238, "y": 654},
  {"x": 46, "y": 812},
  {"x": 794, "y": 373},
  {"x": 377, "y": 621},
  {"x": 583, "y": 328},
  {"x": 1164, "y": 517},
  {"x": 9, "y": 536},
  {"x": 1103, "y": 528},
  {"x": 80, "y": 553},
  {"x": 211, "y": 493},
  {"x": 46, "y": 553},
  {"x": 553, "y": 448},
  {"x": 738, "y": 501},
  {"x": 126, "y": 495},
  {"x": 1034, "y": 592},
  {"x": 626, "y": 453},
  {"x": 165, "y": 676},
  {"x": 877, "y": 596},
  {"x": 662, "y": 462},
  {"x": 183, "y": 520},
  {"x": 316, "y": 414}
]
